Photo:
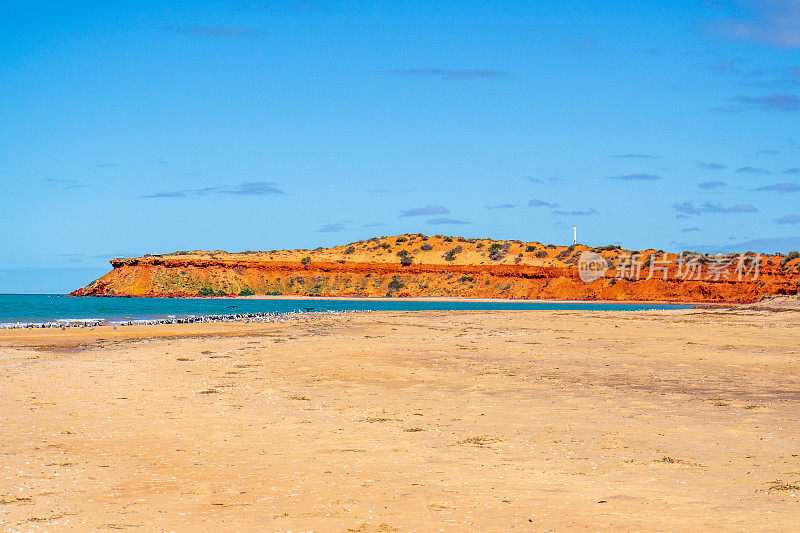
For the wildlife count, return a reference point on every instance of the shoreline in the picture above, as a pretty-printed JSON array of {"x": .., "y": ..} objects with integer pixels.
[
  {"x": 460, "y": 299},
  {"x": 300, "y": 297},
  {"x": 91, "y": 317}
]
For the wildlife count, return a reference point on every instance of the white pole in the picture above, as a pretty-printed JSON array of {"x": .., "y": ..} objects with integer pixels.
[{"x": 574, "y": 235}]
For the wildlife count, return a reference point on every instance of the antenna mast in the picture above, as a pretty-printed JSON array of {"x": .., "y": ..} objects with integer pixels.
[{"x": 574, "y": 235}]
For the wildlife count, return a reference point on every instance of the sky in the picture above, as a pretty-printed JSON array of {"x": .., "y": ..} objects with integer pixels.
[{"x": 148, "y": 127}]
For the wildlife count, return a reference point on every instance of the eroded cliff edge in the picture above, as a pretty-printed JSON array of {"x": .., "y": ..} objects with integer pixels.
[{"x": 420, "y": 266}]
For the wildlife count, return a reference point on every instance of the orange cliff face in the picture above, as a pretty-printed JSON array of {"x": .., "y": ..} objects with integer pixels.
[{"x": 419, "y": 266}]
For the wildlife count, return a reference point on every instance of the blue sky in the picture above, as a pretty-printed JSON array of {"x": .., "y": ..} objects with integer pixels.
[{"x": 138, "y": 127}]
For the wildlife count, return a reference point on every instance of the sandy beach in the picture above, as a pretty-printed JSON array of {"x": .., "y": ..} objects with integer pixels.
[{"x": 673, "y": 420}]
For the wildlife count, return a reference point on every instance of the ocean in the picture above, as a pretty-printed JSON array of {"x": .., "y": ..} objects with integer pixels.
[{"x": 51, "y": 307}]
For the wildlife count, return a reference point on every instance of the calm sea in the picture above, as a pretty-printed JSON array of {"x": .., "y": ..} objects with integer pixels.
[{"x": 46, "y": 307}]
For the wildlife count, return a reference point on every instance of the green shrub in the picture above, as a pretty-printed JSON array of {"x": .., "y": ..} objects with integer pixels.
[
  {"x": 395, "y": 284},
  {"x": 246, "y": 291},
  {"x": 426, "y": 247},
  {"x": 563, "y": 254},
  {"x": 205, "y": 291},
  {"x": 306, "y": 260},
  {"x": 406, "y": 260},
  {"x": 451, "y": 254},
  {"x": 496, "y": 251},
  {"x": 350, "y": 250}
]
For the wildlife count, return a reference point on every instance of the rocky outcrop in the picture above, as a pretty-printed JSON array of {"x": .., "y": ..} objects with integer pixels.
[{"x": 477, "y": 269}]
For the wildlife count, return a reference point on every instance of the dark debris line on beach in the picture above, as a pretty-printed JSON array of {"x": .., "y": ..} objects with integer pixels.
[{"x": 238, "y": 317}]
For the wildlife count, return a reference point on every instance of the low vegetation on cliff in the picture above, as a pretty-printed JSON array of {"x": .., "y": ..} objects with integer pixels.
[{"x": 427, "y": 266}]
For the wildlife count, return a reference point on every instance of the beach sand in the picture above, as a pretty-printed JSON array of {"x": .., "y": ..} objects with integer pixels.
[{"x": 430, "y": 421}]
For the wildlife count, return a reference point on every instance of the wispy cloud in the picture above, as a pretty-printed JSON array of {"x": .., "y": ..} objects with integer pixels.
[
  {"x": 774, "y": 102},
  {"x": 332, "y": 228},
  {"x": 711, "y": 166},
  {"x": 217, "y": 31},
  {"x": 636, "y": 177},
  {"x": 690, "y": 209},
  {"x": 66, "y": 183},
  {"x": 753, "y": 170},
  {"x": 578, "y": 213},
  {"x": 105, "y": 165},
  {"x": 253, "y": 188},
  {"x": 712, "y": 184},
  {"x": 788, "y": 219},
  {"x": 539, "y": 203},
  {"x": 57, "y": 180},
  {"x": 501, "y": 206},
  {"x": 633, "y": 156},
  {"x": 451, "y": 74},
  {"x": 689, "y": 230},
  {"x": 732, "y": 68},
  {"x": 427, "y": 210},
  {"x": 445, "y": 221},
  {"x": 792, "y": 171},
  {"x": 771, "y": 22},
  {"x": 256, "y": 188},
  {"x": 531, "y": 179},
  {"x": 780, "y": 187}
]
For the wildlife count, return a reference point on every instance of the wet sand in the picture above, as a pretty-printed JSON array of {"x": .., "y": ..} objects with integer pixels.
[{"x": 430, "y": 421}]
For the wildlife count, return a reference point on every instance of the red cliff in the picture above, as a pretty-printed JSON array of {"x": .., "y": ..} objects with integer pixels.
[{"x": 419, "y": 266}]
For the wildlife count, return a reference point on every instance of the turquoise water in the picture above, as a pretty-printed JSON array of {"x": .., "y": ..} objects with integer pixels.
[{"x": 44, "y": 307}]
